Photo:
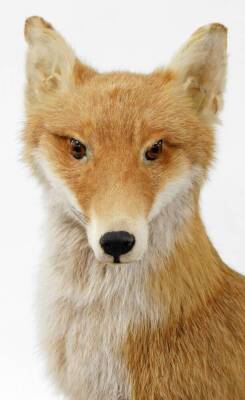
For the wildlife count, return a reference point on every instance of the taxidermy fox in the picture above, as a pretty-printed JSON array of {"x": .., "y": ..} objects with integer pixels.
[{"x": 134, "y": 301}]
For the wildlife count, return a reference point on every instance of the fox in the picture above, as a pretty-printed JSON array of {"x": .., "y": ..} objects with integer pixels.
[{"x": 133, "y": 300}]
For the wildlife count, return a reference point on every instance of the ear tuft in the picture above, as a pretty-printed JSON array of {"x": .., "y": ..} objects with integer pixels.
[
  {"x": 201, "y": 67},
  {"x": 34, "y": 27}
]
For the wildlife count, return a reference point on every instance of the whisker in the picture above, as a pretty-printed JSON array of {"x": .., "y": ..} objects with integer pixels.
[{"x": 82, "y": 218}]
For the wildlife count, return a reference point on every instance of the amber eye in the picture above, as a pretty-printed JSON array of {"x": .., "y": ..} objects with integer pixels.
[
  {"x": 78, "y": 150},
  {"x": 153, "y": 152}
]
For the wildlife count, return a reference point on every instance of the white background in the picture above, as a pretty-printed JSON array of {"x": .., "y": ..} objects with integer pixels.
[{"x": 133, "y": 35}]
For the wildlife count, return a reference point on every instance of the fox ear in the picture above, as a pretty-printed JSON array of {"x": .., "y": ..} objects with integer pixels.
[
  {"x": 201, "y": 66},
  {"x": 51, "y": 63}
]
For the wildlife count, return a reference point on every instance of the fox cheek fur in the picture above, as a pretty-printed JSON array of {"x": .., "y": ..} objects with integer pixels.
[{"x": 133, "y": 302}]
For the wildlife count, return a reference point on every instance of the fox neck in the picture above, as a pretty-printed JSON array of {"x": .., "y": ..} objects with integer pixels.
[
  {"x": 180, "y": 271},
  {"x": 191, "y": 274}
]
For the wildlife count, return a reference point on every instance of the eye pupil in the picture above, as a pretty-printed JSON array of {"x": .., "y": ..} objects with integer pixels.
[
  {"x": 155, "y": 149},
  {"x": 152, "y": 153},
  {"x": 78, "y": 150}
]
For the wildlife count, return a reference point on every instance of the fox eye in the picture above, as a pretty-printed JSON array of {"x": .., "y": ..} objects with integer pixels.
[
  {"x": 78, "y": 150},
  {"x": 153, "y": 152}
]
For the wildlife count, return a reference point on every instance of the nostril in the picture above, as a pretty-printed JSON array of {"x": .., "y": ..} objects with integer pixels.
[{"x": 117, "y": 243}]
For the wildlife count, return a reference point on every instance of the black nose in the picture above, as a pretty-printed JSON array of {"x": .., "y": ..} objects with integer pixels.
[{"x": 117, "y": 243}]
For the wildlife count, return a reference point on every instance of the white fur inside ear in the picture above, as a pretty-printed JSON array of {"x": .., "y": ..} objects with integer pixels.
[
  {"x": 201, "y": 67},
  {"x": 50, "y": 60}
]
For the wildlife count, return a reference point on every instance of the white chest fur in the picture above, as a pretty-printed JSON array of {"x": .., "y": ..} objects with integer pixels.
[{"x": 85, "y": 314}]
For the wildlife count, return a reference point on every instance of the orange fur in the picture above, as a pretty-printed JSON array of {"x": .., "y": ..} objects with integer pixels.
[
  {"x": 186, "y": 339},
  {"x": 200, "y": 352}
]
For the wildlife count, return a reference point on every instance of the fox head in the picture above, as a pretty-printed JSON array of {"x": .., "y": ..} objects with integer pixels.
[{"x": 119, "y": 149}]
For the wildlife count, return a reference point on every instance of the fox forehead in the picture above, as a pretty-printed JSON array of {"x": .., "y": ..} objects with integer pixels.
[{"x": 120, "y": 105}]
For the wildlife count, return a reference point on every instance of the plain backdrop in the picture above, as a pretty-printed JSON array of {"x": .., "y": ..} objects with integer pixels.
[{"x": 131, "y": 35}]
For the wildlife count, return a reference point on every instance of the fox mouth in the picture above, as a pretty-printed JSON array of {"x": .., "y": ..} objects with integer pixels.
[{"x": 118, "y": 261}]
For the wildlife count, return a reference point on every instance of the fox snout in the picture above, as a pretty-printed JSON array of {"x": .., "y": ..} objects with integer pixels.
[{"x": 118, "y": 240}]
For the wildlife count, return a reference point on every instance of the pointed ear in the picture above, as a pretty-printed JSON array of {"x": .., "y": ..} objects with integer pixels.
[
  {"x": 51, "y": 64},
  {"x": 201, "y": 67}
]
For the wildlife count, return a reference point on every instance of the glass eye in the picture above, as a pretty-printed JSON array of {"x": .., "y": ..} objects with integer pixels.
[
  {"x": 153, "y": 152},
  {"x": 78, "y": 150}
]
